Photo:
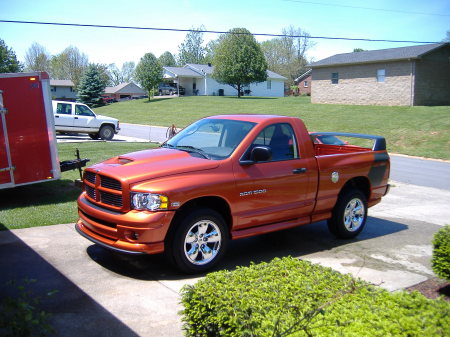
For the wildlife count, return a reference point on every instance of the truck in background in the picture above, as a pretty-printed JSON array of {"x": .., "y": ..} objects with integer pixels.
[{"x": 28, "y": 152}]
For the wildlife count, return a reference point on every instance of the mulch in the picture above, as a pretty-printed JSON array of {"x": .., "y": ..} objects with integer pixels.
[{"x": 433, "y": 288}]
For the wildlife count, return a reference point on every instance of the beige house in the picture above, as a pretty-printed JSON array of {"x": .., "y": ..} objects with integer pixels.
[
  {"x": 417, "y": 75},
  {"x": 125, "y": 91}
]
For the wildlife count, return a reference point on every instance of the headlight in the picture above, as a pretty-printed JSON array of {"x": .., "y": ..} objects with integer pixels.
[{"x": 149, "y": 201}]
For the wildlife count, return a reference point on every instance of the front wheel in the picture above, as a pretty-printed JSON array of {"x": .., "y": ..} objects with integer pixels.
[
  {"x": 198, "y": 242},
  {"x": 106, "y": 132},
  {"x": 349, "y": 215}
]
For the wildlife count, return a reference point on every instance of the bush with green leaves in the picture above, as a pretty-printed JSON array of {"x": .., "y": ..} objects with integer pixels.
[
  {"x": 441, "y": 253},
  {"x": 20, "y": 314},
  {"x": 290, "y": 297}
]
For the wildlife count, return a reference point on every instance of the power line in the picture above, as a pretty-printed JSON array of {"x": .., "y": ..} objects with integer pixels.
[
  {"x": 366, "y": 8},
  {"x": 210, "y": 31}
]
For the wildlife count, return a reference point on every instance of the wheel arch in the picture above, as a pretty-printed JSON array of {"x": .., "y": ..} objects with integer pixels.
[
  {"x": 215, "y": 203},
  {"x": 360, "y": 183},
  {"x": 107, "y": 124}
]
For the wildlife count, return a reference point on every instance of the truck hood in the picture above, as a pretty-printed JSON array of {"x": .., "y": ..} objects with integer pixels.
[
  {"x": 144, "y": 165},
  {"x": 106, "y": 118}
]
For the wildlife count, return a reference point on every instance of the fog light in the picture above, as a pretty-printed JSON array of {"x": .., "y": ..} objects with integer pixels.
[{"x": 130, "y": 235}]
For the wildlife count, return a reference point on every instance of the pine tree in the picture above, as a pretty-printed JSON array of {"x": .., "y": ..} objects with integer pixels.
[
  {"x": 8, "y": 59},
  {"x": 92, "y": 86}
]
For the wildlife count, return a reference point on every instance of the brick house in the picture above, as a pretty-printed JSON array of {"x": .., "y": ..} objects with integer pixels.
[
  {"x": 417, "y": 75},
  {"x": 304, "y": 82},
  {"x": 125, "y": 91}
]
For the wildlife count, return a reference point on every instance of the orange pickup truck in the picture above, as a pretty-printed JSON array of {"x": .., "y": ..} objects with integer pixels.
[{"x": 229, "y": 177}]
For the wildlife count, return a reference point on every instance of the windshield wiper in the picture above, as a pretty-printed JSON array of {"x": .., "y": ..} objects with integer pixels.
[{"x": 192, "y": 149}]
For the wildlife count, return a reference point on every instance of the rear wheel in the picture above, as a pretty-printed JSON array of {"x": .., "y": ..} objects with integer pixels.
[
  {"x": 106, "y": 132},
  {"x": 349, "y": 215},
  {"x": 198, "y": 242}
]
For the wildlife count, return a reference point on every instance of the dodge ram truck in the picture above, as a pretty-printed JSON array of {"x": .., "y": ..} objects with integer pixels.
[{"x": 229, "y": 177}]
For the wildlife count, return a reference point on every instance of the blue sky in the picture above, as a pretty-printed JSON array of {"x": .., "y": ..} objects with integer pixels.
[{"x": 318, "y": 17}]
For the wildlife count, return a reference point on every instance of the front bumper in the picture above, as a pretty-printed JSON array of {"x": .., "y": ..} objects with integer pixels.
[{"x": 133, "y": 232}]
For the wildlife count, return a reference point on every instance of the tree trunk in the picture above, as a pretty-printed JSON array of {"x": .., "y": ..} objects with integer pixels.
[{"x": 239, "y": 90}]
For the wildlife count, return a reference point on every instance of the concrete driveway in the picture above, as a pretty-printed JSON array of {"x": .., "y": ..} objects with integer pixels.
[{"x": 101, "y": 293}]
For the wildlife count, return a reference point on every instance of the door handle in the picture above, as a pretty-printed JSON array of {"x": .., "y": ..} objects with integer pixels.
[
  {"x": 76, "y": 117},
  {"x": 299, "y": 170},
  {"x": 56, "y": 116}
]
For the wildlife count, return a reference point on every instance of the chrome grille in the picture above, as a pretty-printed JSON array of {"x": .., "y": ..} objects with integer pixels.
[{"x": 110, "y": 183}]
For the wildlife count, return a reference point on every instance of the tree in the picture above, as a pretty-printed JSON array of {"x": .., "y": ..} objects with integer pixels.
[
  {"x": 191, "y": 50},
  {"x": 8, "y": 59},
  {"x": 128, "y": 69},
  {"x": 37, "y": 58},
  {"x": 239, "y": 60},
  {"x": 167, "y": 59},
  {"x": 358, "y": 50},
  {"x": 149, "y": 73},
  {"x": 447, "y": 38},
  {"x": 124, "y": 75},
  {"x": 287, "y": 55},
  {"x": 92, "y": 86},
  {"x": 70, "y": 64}
]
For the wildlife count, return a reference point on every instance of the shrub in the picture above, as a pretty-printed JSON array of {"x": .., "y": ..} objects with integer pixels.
[
  {"x": 441, "y": 253},
  {"x": 289, "y": 297}
]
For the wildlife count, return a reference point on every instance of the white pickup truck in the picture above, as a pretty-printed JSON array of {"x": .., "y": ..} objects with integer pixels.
[{"x": 79, "y": 118}]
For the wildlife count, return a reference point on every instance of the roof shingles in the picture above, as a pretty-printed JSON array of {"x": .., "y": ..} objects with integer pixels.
[{"x": 373, "y": 56}]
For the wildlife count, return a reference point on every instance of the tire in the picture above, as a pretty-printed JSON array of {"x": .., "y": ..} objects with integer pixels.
[
  {"x": 198, "y": 242},
  {"x": 94, "y": 136},
  {"x": 349, "y": 215},
  {"x": 106, "y": 132}
]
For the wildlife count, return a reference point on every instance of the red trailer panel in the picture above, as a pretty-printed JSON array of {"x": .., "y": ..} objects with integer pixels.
[{"x": 28, "y": 151}]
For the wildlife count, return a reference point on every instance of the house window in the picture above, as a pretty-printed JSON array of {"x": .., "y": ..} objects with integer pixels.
[
  {"x": 305, "y": 84},
  {"x": 381, "y": 74},
  {"x": 53, "y": 89},
  {"x": 269, "y": 84},
  {"x": 334, "y": 78}
]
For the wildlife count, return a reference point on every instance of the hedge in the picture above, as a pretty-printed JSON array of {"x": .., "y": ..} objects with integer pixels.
[
  {"x": 441, "y": 253},
  {"x": 290, "y": 297}
]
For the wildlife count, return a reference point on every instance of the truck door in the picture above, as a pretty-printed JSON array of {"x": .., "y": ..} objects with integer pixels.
[
  {"x": 64, "y": 118},
  {"x": 6, "y": 177},
  {"x": 279, "y": 189},
  {"x": 84, "y": 119}
]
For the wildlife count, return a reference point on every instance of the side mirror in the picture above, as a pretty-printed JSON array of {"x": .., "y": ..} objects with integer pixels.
[{"x": 258, "y": 154}]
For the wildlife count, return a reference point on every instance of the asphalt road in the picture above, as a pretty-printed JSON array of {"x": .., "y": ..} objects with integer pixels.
[{"x": 416, "y": 171}]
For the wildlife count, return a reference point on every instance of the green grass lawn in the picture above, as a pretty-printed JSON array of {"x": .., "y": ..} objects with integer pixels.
[
  {"x": 54, "y": 202},
  {"x": 418, "y": 131}
]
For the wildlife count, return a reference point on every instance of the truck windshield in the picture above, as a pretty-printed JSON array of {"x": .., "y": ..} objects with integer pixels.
[{"x": 211, "y": 138}]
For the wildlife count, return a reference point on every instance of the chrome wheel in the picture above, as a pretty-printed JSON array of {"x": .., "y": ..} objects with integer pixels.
[
  {"x": 202, "y": 242},
  {"x": 354, "y": 215}
]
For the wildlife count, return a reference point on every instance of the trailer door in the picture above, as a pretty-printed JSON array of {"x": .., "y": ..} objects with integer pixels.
[{"x": 6, "y": 176}]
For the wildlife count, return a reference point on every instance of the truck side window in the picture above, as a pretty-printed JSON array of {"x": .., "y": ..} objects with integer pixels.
[
  {"x": 64, "y": 109},
  {"x": 281, "y": 140},
  {"x": 82, "y": 110}
]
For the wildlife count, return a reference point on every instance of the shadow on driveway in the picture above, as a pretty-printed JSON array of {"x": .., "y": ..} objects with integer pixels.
[
  {"x": 73, "y": 312},
  {"x": 297, "y": 242}
]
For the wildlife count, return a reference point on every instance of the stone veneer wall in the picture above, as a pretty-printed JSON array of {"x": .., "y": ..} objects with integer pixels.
[
  {"x": 432, "y": 86},
  {"x": 358, "y": 84}
]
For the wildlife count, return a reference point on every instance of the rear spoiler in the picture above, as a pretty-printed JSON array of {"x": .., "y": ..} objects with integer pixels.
[{"x": 378, "y": 145}]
